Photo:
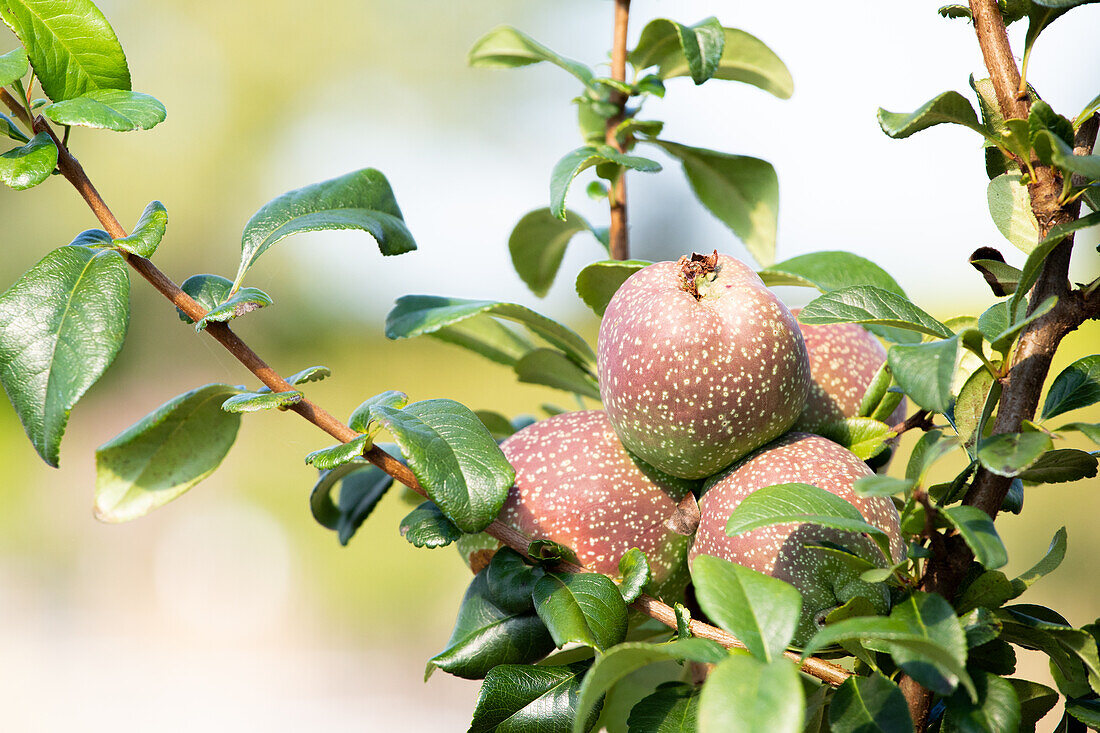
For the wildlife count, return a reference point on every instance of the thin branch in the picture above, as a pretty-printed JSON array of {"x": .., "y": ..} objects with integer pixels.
[
  {"x": 15, "y": 106},
  {"x": 618, "y": 238},
  {"x": 509, "y": 536}
]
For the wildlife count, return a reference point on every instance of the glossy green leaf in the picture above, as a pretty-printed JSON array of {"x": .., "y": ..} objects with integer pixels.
[
  {"x": 925, "y": 371},
  {"x": 1060, "y": 466},
  {"x": 454, "y": 457},
  {"x": 511, "y": 580},
  {"x": 599, "y": 281},
  {"x": 1073, "y": 652},
  {"x": 425, "y": 526},
  {"x": 991, "y": 589},
  {"x": 881, "y": 485},
  {"x": 976, "y": 528},
  {"x": 552, "y": 368},
  {"x": 207, "y": 290},
  {"x": 868, "y": 304},
  {"x": 485, "y": 336},
  {"x": 572, "y": 164},
  {"x": 742, "y": 192},
  {"x": 762, "y": 612},
  {"x": 8, "y": 128},
  {"x": 164, "y": 454},
  {"x": 485, "y": 636},
  {"x": 1008, "y": 454},
  {"x": 500, "y": 426},
  {"x": 1010, "y": 208},
  {"x": 71, "y": 46},
  {"x": 362, "y": 486},
  {"x": 414, "y": 315},
  {"x": 241, "y": 302},
  {"x": 1038, "y": 256},
  {"x": 996, "y": 709},
  {"x": 1089, "y": 430},
  {"x": 861, "y": 435},
  {"x": 1003, "y": 340},
  {"x": 13, "y": 65},
  {"x": 949, "y": 107},
  {"x": 746, "y": 695},
  {"x": 797, "y": 503},
  {"x": 585, "y": 608},
  {"x": 828, "y": 271},
  {"x": 505, "y": 47},
  {"x": 361, "y": 200},
  {"x": 27, "y": 166},
  {"x": 635, "y": 573},
  {"x": 148, "y": 231},
  {"x": 1050, "y": 561},
  {"x": 871, "y": 704},
  {"x": 256, "y": 401},
  {"x": 538, "y": 243},
  {"x": 361, "y": 420},
  {"x": 309, "y": 374},
  {"x": 329, "y": 458},
  {"x": 980, "y": 627},
  {"x": 531, "y": 699},
  {"x": 1078, "y": 385},
  {"x": 1085, "y": 710},
  {"x": 672, "y": 708},
  {"x": 1035, "y": 702},
  {"x": 61, "y": 325},
  {"x": 109, "y": 109},
  {"x": 670, "y": 46},
  {"x": 621, "y": 660},
  {"x": 548, "y": 552}
]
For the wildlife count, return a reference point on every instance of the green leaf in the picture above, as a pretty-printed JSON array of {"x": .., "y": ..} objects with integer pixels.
[
  {"x": 362, "y": 486},
  {"x": 1010, "y": 208},
  {"x": 1035, "y": 260},
  {"x": 485, "y": 636},
  {"x": 742, "y": 192},
  {"x": 1072, "y": 651},
  {"x": 207, "y": 290},
  {"x": 72, "y": 47},
  {"x": 485, "y": 336},
  {"x": 538, "y": 243},
  {"x": 746, "y": 695},
  {"x": 9, "y": 129},
  {"x": 925, "y": 371},
  {"x": 829, "y": 271},
  {"x": 976, "y": 528},
  {"x": 1089, "y": 430},
  {"x": 309, "y": 374},
  {"x": 634, "y": 569},
  {"x": 531, "y": 699},
  {"x": 868, "y": 304},
  {"x": 1048, "y": 564},
  {"x": 599, "y": 281},
  {"x": 414, "y": 315},
  {"x": 329, "y": 458},
  {"x": 548, "y": 552},
  {"x": 797, "y": 503},
  {"x": 109, "y": 109},
  {"x": 500, "y": 426},
  {"x": 882, "y": 485},
  {"x": 256, "y": 401},
  {"x": 361, "y": 420},
  {"x": 672, "y": 708},
  {"x": 997, "y": 707},
  {"x": 1078, "y": 385},
  {"x": 991, "y": 589},
  {"x": 861, "y": 435},
  {"x": 241, "y": 302},
  {"x": 1003, "y": 340},
  {"x": 27, "y": 166},
  {"x": 1008, "y": 454},
  {"x": 505, "y": 47},
  {"x": 164, "y": 454},
  {"x": 1002, "y": 278},
  {"x": 13, "y": 66},
  {"x": 510, "y": 581},
  {"x": 745, "y": 58},
  {"x": 454, "y": 457},
  {"x": 621, "y": 660},
  {"x": 949, "y": 107},
  {"x": 554, "y": 369},
  {"x": 61, "y": 325},
  {"x": 571, "y": 165},
  {"x": 869, "y": 705},
  {"x": 426, "y": 526},
  {"x": 670, "y": 46},
  {"x": 1060, "y": 466},
  {"x": 1085, "y": 710},
  {"x": 980, "y": 627},
  {"x": 1042, "y": 13},
  {"x": 1035, "y": 702},
  {"x": 585, "y": 608},
  {"x": 361, "y": 200},
  {"x": 973, "y": 407},
  {"x": 762, "y": 612},
  {"x": 148, "y": 231},
  {"x": 94, "y": 239},
  {"x": 931, "y": 447}
]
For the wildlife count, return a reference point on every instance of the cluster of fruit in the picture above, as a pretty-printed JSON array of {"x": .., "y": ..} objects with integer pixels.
[{"x": 711, "y": 388}]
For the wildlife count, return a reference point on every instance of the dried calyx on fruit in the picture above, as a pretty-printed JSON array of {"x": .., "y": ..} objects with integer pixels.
[{"x": 699, "y": 363}]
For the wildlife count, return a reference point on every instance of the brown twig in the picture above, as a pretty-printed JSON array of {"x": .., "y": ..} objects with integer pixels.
[
  {"x": 921, "y": 419},
  {"x": 618, "y": 238},
  {"x": 73, "y": 172}
]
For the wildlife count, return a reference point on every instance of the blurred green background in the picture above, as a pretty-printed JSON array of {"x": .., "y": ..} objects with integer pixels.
[{"x": 231, "y": 609}]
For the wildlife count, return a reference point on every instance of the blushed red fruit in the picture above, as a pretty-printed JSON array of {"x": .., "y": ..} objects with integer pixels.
[
  {"x": 823, "y": 578},
  {"x": 577, "y": 485},
  {"x": 699, "y": 363},
  {"x": 844, "y": 358}
]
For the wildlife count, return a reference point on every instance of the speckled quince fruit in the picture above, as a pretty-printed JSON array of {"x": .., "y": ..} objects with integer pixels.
[
  {"x": 825, "y": 580},
  {"x": 699, "y": 363}
]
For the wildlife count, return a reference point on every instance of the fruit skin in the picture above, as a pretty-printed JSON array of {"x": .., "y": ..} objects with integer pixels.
[
  {"x": 577, "y": 485},
  {"x": 844, "y": 358},
  {"x": 824, "y": 580},
  {"x": 693, "y": 384}
]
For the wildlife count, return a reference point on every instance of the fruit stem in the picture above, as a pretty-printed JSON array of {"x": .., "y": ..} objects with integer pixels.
[{"x": 695, "y": 267}]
